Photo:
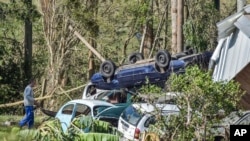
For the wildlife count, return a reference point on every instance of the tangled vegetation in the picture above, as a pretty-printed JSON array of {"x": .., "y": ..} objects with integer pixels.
[
  {"x": 200, "y": 100},
  {"x": 81, "y": 129}
]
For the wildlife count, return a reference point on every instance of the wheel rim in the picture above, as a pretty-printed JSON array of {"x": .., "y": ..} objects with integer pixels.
[
  {"x": 162, "y": 59},
  {"x": 133, "y": 59},
  {"x": 106, "y": 68}
]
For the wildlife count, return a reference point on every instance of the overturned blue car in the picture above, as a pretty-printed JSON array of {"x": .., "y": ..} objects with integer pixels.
[{"x": 141, "y": 71}]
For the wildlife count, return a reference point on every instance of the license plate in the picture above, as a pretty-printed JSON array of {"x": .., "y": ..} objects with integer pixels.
[{"x": 124, "y": 127}]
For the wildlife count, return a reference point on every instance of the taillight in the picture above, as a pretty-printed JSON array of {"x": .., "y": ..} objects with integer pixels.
[{"x": 137, "y": 133}]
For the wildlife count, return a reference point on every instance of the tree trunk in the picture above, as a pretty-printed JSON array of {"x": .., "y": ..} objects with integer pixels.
[
  {"x": 240, "y": 5},
  {"x": 217, "y": 4},
  {"x": 60, "y": 41},
  {"x": 174, "y": 27},
  {"x": 28, "y": 45},
  {"x": 93, "y": 7},
  {"x": 91, "y": 69},
  {"x": 147, "y": 30}
]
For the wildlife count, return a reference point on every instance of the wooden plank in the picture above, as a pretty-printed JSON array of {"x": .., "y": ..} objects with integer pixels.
[
  {"x": 40, "y": 98},
  {"x": 87, "y": 44}
]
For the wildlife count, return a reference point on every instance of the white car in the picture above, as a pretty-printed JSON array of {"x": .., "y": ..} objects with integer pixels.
[
  {"x": 90, "y": 91},
  {"x": 136, "y": 118},
  {"x": 95, "y": 108}
]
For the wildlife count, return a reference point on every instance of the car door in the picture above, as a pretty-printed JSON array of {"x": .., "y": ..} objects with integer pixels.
[
  {"x": 70, "y": 111},
  {"x": 65, "y": 115},
  {"x": 113, "y": 112}
]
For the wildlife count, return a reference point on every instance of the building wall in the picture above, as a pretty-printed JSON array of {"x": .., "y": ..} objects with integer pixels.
[{"x": 244, "y": 79}]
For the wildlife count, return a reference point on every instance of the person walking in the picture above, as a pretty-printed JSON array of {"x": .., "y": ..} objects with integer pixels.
[{"x": 29, "y": 101}]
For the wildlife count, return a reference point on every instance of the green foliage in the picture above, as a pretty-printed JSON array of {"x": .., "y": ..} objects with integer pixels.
[
  {"x": 199, "y": 99},
  {"x": 51, "y": 131},
  {"x": 200, "y": 26},
  {"x": 85, "y": 128},
  {"x": 10, "y": 56},
  {"x": 213, "y": 96},
  {"x": 86, "y": 124},
  {"x": 97, "y": 137},
  {"x": 12, "y": 51}
]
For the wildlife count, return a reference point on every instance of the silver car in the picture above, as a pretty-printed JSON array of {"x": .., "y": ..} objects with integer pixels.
[
  {"x": 136, "y": 118},
  {"x": 221, "y": 131}
]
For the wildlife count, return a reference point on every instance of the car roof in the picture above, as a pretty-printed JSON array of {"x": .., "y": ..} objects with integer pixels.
[
  {"x": 91, "y": 102},
  {"x": 146, "y": 107}
]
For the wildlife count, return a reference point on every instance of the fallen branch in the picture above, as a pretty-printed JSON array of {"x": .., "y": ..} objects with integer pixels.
[{"x": 40, "y": 98}]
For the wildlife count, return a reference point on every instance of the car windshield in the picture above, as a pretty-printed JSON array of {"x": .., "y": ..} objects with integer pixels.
[
  {"x": 98, "y": 109},
  {"x": 131, "y": 115},
  {"x": 103, "y": 96},
  {"x": 114, "y": 96}
]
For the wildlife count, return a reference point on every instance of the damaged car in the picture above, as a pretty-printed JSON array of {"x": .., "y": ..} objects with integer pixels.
[
  {"x": 97, "y": 109},
  {"x": 142, "y": 71}
]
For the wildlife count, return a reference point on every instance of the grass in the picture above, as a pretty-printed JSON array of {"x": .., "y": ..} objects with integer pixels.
[{"x": 7, "y": 131}]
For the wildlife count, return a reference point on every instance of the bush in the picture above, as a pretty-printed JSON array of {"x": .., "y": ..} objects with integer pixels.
[{"x": 199, "y": 99}]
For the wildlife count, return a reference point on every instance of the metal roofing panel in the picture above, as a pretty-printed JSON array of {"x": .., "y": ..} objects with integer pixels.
[
  {"x": 234, "y": 56},
  {"x": 243, "y": 23},
  {"x": 247, "y": 9},
  {"x": 226, "y": 26}
]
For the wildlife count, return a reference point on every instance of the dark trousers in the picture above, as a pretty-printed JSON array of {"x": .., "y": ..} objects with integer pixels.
[{"x": 28, "y": 118}]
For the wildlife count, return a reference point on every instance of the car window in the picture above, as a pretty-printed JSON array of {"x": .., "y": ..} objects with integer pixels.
[
  {"x": 131, "y": 115},
  {"x": 82, "y": 109},
  {"x": 103, "y": 96},
  {"x": 245, "y": 120},
  {"x": 68, "y": 109},
  {"x": 114, "y": 96},
  {"x": 150, "y": 120},
  {"x": 98, "y": 109}
]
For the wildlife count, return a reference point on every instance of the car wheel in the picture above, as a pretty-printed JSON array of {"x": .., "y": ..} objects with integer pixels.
[
  {"x": 163, "y": 58},
  {"x": 135, "y": 57},
  {"x": 107, "y": 68},
  {"x": 189, "y": 50}
]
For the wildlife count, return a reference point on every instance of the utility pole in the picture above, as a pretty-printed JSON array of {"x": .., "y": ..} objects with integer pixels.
[
  {"x": 240, "y": 5},
  {"x": 179, "y": 42},
  {"x": 174, "y": 26},
  {"x": 217, "y": 4},
  {"x": 28, "y": 43}
]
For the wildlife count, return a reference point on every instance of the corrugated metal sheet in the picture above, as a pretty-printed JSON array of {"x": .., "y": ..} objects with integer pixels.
[
  {"x": 243, "y": 24},
  {"x": 226, "y": 27},
  {"x": 233, "y": 51}
]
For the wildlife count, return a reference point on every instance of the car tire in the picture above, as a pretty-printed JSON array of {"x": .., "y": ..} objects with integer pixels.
[
  {"x": 107, "y": 68},
  {"x": 189, "y": 50},
  {"x": 133, "y": 58},
  {"x": 163, "y": 58}
]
